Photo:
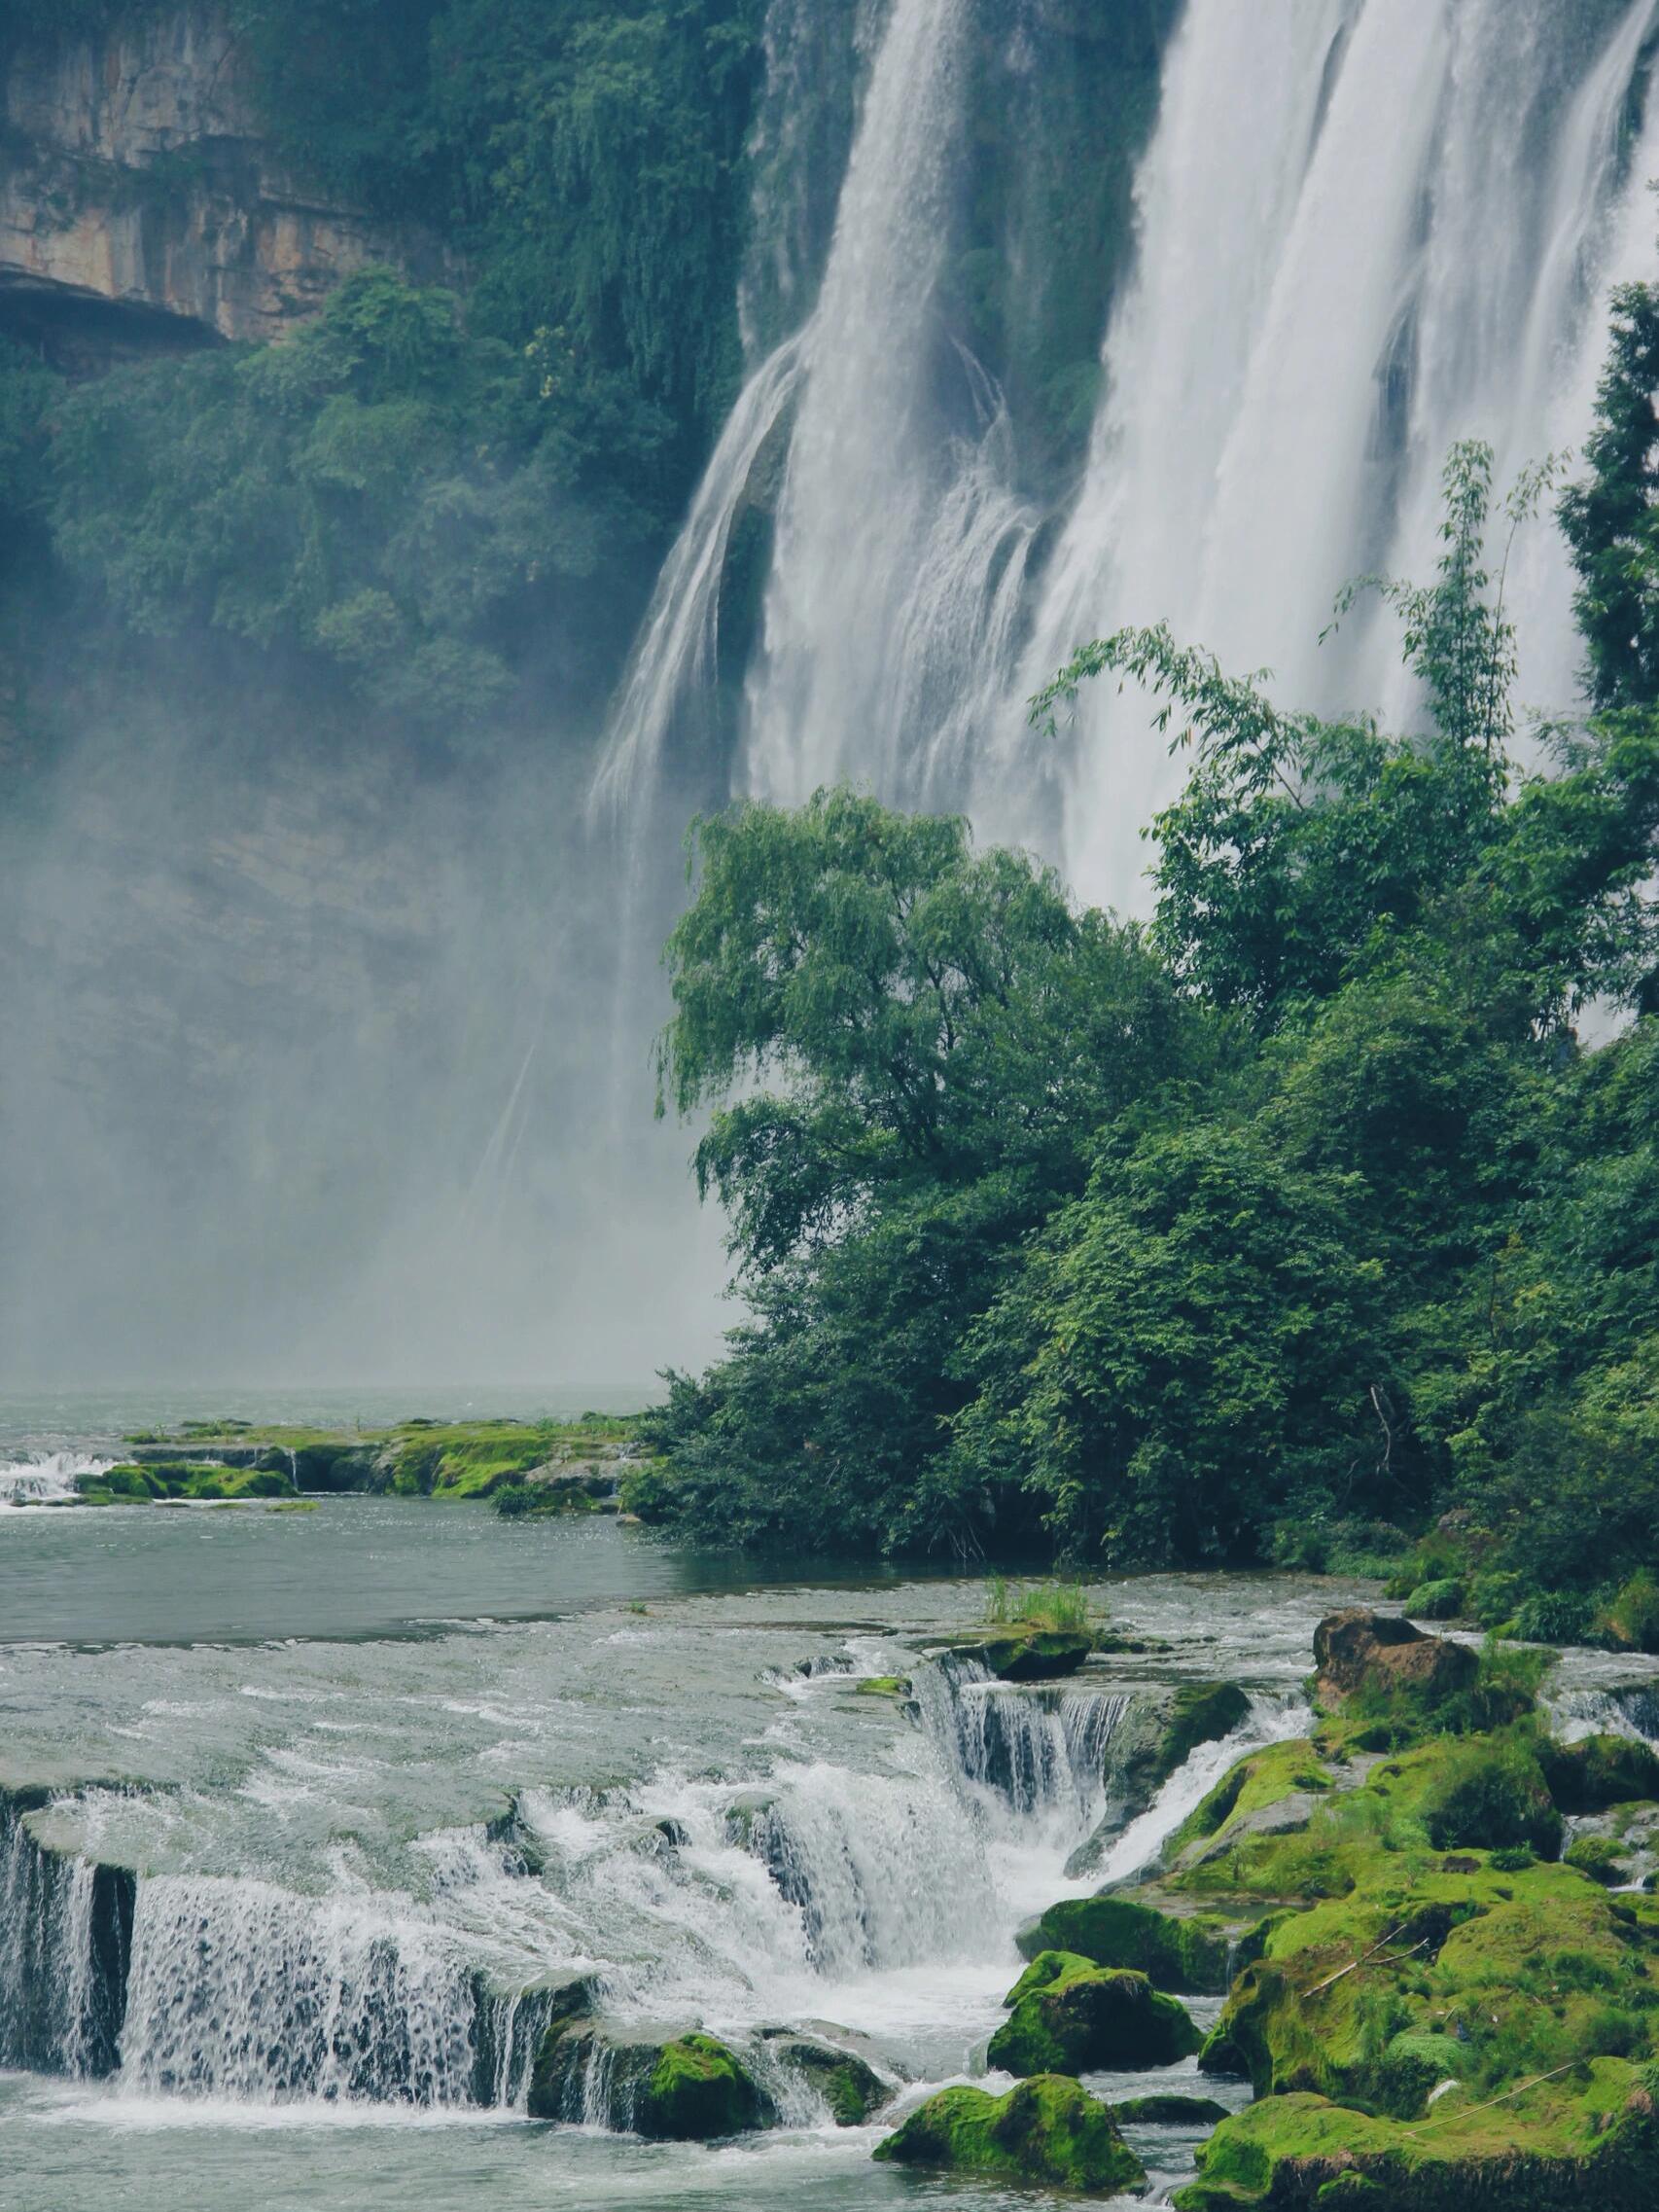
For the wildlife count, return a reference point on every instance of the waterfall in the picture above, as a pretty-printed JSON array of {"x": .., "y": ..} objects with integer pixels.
[
  {"x": 899, "y": 543},
  {"x": 1270, "y": 1719},
  {"x": 65, "y": 1934},
  {"x": 1366, "y": 231},
  {"x": 899, "y": 548},
  {"x": 1629, "y": 1709},
  {"x": 46, "y": 1478}
]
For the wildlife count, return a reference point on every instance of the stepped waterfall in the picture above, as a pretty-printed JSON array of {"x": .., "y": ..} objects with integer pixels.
[
  {"x": 1361, "y": 233},
  {"x": 812, "y": 1882}
]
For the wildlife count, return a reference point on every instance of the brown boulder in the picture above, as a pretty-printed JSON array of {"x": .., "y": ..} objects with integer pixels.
[{"x": 1358, "y": 1646}]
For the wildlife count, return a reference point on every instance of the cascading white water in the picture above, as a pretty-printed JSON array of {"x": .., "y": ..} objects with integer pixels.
[
  {"x": 1270, "y": 1719},
  {"x": 899, "y": 543},
  {"x": 1366, "y": 231},
  {"x": 46, "y": 1478},
  {"x": 900, "y": 548},
  {"x": 732, "y": 1902}
]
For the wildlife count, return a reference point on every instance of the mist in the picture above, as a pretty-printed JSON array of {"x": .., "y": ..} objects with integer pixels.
[{"x": 326, "y": 1068}]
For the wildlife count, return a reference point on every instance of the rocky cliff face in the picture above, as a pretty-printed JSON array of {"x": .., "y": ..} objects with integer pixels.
[{"x": 140, "y": 208}]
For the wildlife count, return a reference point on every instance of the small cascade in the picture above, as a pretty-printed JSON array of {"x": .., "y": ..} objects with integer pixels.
[
  {"x": 46, "y": 1478},
  {"x": 668, "y": 691},
  {"x": 1270, "y": 1719},
  {"x": 1043, "y": 1750},
  {"x": 66, "y": 1931},
  {"x": 241, "y": 1989},
  {"x": 1628, "y": 1709}
]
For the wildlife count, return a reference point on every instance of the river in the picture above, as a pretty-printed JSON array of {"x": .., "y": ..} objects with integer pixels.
[{"x": 389, "y": 1771}]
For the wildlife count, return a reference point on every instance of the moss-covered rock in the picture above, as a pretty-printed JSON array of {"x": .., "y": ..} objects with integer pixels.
[
  {"x": 849, "y": 2084},
  {"x": 1283, "y": 1774},
  {"x": 1590, "y": 2139},
  {"x": 1185, "y": 1955},
  {"x": 1441, "y": 1600},
  {"x": 1358, "y": 1650},
  {"x": 1600, "y": 1858},
  {"x": 1431, "y": 1972},
  {"x": 1598, "y": 1772},
  {"x": 1169, "y": 2109},
  {"x": 1048, "y": 2131},
  {"x": 690, "y": 2088},
  {"x": 1490, "y": 1792},
  {"x": 1021, "y": 1653},
  {"x": 1204, "y": 1712},
  {"x": 883, "y": 1685},
  {"x": 1069, "y": 2016}
]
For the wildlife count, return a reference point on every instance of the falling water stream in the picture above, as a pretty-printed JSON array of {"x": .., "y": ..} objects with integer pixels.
[{"x": 1365, "y": 231}]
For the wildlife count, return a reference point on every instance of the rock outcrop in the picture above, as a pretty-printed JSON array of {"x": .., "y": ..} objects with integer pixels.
[
  {"x": 142, "y": 208},
  {"x": 1359, "y": 1649}
]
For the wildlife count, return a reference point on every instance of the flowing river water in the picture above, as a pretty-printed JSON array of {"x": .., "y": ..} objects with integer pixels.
[{"x": 388, "y": 1772}]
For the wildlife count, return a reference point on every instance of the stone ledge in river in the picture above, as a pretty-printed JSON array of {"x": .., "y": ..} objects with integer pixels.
[
  {"x": 1185, "y": 1955},
  {"x": 688, "y": 2088},
  {"x": 1020, "y": 1654},
  {"x": 1357, "y": 1648},
  {"x": 1049, "y": 2130},
  {"x": 1069, "y": 2016}
]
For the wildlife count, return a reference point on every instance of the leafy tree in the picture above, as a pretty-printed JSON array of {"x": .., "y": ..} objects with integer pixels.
[
  {"x": 940, "y": 1035},
  {"x": 385, "y": 490},
  {"x": 1612, "y": 518}
]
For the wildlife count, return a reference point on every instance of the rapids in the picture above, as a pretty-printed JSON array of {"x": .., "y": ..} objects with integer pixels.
[{"x": 286, "y": 1878}]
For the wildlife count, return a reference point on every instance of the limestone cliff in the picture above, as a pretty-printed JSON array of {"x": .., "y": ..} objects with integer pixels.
[{"x": 141, "y": 209}]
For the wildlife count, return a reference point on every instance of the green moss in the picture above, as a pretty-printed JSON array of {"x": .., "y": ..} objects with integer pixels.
[
  {"x": 1589, "y": 2139},
  {"x": 1491, "y": 1794},
  {"x": 1070, "y": 2016},
  {"x": 852, "y": 2090},
  {"x": 692, "y": 2088},
  {"x": 1600, "y": 1858},
  {"x": 697, "y": 2091},
  {"x": 1184, "y": 1955},
  {"x": 1527, "y": 1972},
  {"x": 1025, "y": 1653},
  {"x": 1261, "y": 1779},
  {"x": 1598, "y": 1772},
  {"x": 1167, "y": 2110},
  {"x": 1441, "y": 1600},
  {"x": 1633, "y": 1618},
  {"x": 1204, "y": 1712},
  {"x": 883, "y": 1685},
  {"x": 1047, "y": 2130}
]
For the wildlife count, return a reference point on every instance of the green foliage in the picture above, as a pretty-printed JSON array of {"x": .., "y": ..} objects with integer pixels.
[
  {"x": 1493, "y": 1795},
  {"x": 1058, "y": 1605},
  {"x": 943, "y": 1034},
  {"x": 384, "y": 490},
  {"x": 1611, "y": 519}
]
